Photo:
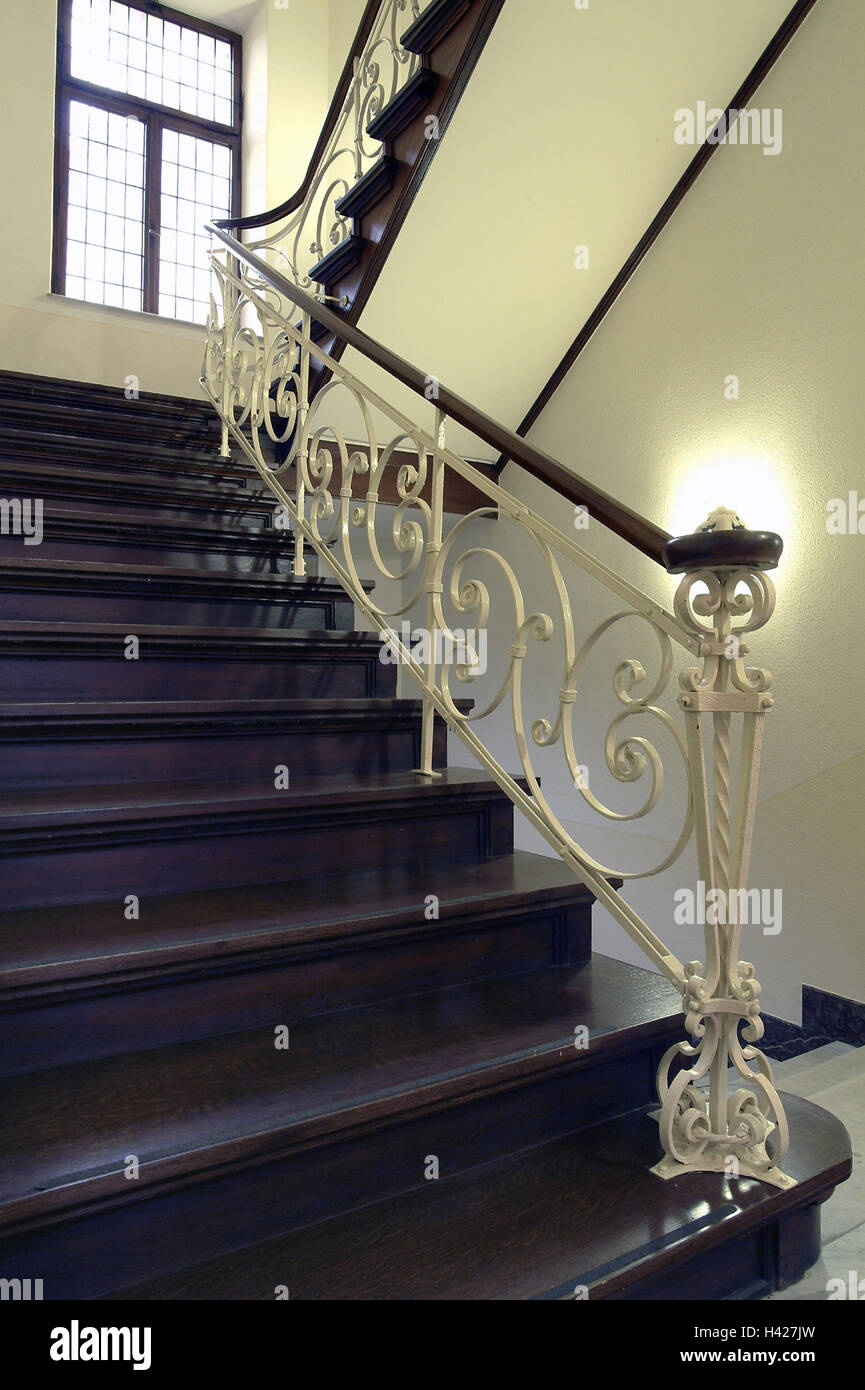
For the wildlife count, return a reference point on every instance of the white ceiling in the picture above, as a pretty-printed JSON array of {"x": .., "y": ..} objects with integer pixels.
[{"x": 231, "y": 14}]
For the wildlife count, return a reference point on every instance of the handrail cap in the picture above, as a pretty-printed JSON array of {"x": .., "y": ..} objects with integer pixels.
[{"x": 713, "y": 550}]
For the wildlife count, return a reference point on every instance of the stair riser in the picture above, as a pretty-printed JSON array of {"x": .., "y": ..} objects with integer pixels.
[
  {"x": 747, "y": 1268},
  {"x": 173, "y": 858},
  {"x": 160, "y": 462},
  {"x": 284, "y": 987},
  {"x": 163, "y": 757},
  {"x": 131, "y": 497},
  {"x": 256, "y": 556},
  {"x": 42, "y": 393},
  {"x": 63, "y": 604},
  {"x": 103, "y": 425},
  {"x": 142, "y": 1239},
  {"x": 189, "y": 676}
]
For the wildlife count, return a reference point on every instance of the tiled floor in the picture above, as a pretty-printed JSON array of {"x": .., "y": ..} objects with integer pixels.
[{"x": 834, "y": 1077}]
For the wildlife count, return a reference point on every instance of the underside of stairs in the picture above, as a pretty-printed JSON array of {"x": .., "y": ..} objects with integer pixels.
[{"x": 282, "y": 1017}]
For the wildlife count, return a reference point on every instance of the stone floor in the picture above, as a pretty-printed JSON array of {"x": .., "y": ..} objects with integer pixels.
[{"x": 834, "y": 1077}]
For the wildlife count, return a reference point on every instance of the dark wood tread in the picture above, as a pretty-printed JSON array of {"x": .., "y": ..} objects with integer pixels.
[
  {"x": 339, "y": 261},
  {"x": 58, "y": 638},
  {"x": 46, "y": 949},
  {"x": 201, "y": 532},
  {"x": 97, "y": 718},
  {"x": 62, "y": 744},
  {"x": 87, "y": 576},
  {"x": 62, "y": 445},
  {"x": 102, "y": 419},
  {"x": 200, "y": 1108},
  {"x": 368, "y": 190},
  {"x": 580, "y": 1213},
  {"x": 40, "y": 389},
  {"x": 42, "y": 478},
  {"x": 402, "y": 109},
  {"x": 60, "y": 661},
  {"x": 59, "y": 809},
  {"x": 431, "y": 25}
]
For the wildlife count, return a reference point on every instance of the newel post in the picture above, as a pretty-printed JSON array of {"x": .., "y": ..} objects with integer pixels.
[{"x": 704, "y": 1124}]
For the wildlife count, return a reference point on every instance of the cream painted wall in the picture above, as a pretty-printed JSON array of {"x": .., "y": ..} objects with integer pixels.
[
  {"x": 344, "y": 17},
  {"x": 562, "y": 137},
  {"x": 298, "y": 90},
  {"x": 760, "y": 275},
  {"x": 255, "y": 110}
]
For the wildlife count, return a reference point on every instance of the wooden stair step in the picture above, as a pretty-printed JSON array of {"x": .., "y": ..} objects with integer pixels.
[
  {"x": 62, "y": 808},
  {"x": 55, "y": 744},
  {"x": 79, "y": 983},
  {"x": 363, "y": 195},
  {"x": 432, "y": 24},
  {"x": 32, "y": 587},
  {"x": 40, "y": 947},
  {"x": 78, "y": 845},
  {"x": 91, "y": 419},
  {"x": 66, "y": 449},
  {"x": 42, "y": 390},
  {"x": 401, "y": 110},
  {"x": 135, "y": 492},
  {"x": 192, "y": 1109},
  {"x": 339, "y": 261},
  {"x": 242, "y": 544},
  {"x": 85, "y": 661},
  {"x": 582, "y": 1216}
]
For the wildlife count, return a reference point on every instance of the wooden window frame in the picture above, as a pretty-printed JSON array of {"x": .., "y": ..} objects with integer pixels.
[{"x": 156, "y": 118}]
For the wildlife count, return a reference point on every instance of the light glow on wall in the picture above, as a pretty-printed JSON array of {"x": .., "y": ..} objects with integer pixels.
[{"x": 752, "y": 482}]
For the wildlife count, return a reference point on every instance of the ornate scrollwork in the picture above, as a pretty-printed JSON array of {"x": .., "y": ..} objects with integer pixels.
[
  {"x": 345, "y": 449},
  {"x": 254, "y": 364},
  {"x": 317, "y": 227},
  {"x": 721, "y": 600},
  {"x": 752, "y": 1136}
]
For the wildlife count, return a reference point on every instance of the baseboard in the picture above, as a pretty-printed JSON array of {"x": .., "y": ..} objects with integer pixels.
[{"x": 826, "y": 1018}]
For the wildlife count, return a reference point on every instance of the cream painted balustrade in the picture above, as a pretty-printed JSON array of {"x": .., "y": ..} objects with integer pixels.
[
  {"x": 317, "y": 227},
  {"x": 472, "y": 579}
]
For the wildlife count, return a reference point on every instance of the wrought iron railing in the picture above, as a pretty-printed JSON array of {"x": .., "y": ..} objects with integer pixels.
[
  {"x": 310, "y": 225},
  {"x": 258, "y": 360}
]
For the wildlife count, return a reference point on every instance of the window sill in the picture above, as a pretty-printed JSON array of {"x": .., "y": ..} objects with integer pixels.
[{"x": 153, "y": 323}]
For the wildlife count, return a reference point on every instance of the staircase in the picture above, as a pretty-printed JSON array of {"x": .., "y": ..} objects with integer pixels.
[
  {"x": 402, "y": 81},
  {"x": 280, "y": 1016}
]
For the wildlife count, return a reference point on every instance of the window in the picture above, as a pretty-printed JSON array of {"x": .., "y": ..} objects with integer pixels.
[{"x": 147, "y": 152}]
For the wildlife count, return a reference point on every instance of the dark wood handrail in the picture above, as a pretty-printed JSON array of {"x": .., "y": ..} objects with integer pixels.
[
  {"x": 628, "y": 524},
  {"x": 291, "y": 204}
]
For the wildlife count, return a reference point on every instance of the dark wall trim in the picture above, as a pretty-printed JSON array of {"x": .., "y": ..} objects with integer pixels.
[
  {"x": 759, "y": 71},
  {"x": 841, "y": 1018}
]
